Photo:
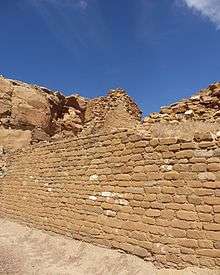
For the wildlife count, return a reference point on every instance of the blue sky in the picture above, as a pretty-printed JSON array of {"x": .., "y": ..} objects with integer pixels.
[{"x": 158, "y": 50}]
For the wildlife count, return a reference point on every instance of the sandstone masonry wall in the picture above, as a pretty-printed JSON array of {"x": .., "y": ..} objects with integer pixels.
[{"x": 155, "y": 198}]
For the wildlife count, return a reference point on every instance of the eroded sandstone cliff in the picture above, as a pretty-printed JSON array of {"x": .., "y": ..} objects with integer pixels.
[{"x": 29, "y": 113}]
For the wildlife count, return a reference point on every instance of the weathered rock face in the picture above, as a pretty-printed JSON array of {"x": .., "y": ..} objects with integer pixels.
[
  {"x": 204, "y": 106},
  {"x": 29, "y": 113}
]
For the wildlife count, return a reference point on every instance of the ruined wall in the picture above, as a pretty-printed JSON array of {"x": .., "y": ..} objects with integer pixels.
[
  {"x": 114, "y": 111},
  {"x": 155, "y": 198},
  {"x": 203, "y": 106}
]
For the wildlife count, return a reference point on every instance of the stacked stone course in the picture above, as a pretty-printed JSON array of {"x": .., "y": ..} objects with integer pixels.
[{"x": 157, "y": 198}]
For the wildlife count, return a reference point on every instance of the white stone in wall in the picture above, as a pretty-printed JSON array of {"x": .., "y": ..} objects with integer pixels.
[
  {"x": 107, "y": 194},
  {"x": 93, "y": 198},
  {"x": 166, "y": 168},
  {"x": 93, "y": 177},
  {"x": 122, "y": 202}
]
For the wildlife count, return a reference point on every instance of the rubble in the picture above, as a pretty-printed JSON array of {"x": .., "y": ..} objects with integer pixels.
[{"x": 203, "y": 106}]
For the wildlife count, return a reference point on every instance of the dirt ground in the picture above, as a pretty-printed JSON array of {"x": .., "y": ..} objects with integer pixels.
[{"x": 25, "y": 251}]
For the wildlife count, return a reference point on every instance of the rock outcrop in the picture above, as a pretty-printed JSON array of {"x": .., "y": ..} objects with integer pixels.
[{"x": 29, "y": 113}]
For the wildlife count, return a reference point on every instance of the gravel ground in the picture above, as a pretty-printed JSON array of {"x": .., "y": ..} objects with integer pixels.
[{"x": 25, "y": 251}]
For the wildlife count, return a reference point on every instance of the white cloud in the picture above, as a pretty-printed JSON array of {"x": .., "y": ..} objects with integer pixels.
[{"x": 207, "y": 8}]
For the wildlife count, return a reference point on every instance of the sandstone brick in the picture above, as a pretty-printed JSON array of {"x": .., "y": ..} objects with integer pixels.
[
  {"x": 195, "y": 234},
  {"x": 217, "y": 262},
  {"x": 216, "y": 152},
  {"x": 216, "y": 208},
  {"x": 187, "y": 176},
  {"x": 141, "y": 144},
  {"x": 125, "y": 177},
  {"x": 157, "y": 205},
  {"x": 150, "y": 197},
  {"x": 154, "y": 142},
  {"x": 190, "y": 259},
  {"x": 214, "y": 253},
  {"x": 168, "y": 155},
  {"x": 217, "y": 218},
  {"x": 207, "y": 176},
  {"x": 207, "y": 262},
  {"x": 152, "y": 213},
  {"x": 204, "y": 192},
  {"x": 164, "y": 198},
  {"x": 168, "y": 140},
  {"x": 199, "y": 167},
  {"x": 211, "y": 226},
  {"x": 176, "y": 233},
  {"x": 188, "y": 145},
  {"x": 168, "y": 190},
  {"x": 186, "y": 250},
  {"x": 181, "y": 224},
  {"x": 213, "y": 160},
  {"x": 206, "y": 144},
  {"x": 186, "y": 215},
  {"x": 138, "y": 169},
  {"x": 139, "y": 251},
  {"x": 204, "y": 208},
  {"x": 195, "y": 200},
  {"x": 212, "y": 235},
  {"x": 138, "y": 235},
  {"x": 148, "y": 220},
  {"x": 185, "y": 154},
  {"x": 174, "y": 147},
  {"x": 161, "y": 222},
  {"x": 171, "y": 175},
  {"x": 203, "y": 153},
  {"x": 184, "y": 191},
  {"x": 139, "y": 177},
  {"x": 204, "y": 217},
  {"x": 173, "y": 258},
  {"x": 166, "y": 168},
  {"x": 162, "y": 148},
  {"x": 180, "y": 199},
  {"x": 203, "y": 136},
  {"x": 217, "y": 245},
  {"x": 213, "y": 167},
  {"x": 135, "y": 190},
  {"x": 188, "y": 243},
  {"x": 167, "y": 214},
  {"x": 212, "y": 200},
  {"x": 110, "y": 213},
  {"x": 154, "y": 176},
  {"x": 205, "y": 244}
]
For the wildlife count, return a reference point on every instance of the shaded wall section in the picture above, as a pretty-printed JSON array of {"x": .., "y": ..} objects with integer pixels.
[{"x": 156, "y": 198}]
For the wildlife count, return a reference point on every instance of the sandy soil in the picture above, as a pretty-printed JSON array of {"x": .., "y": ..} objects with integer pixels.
[{"x": 25, "y": 251}]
